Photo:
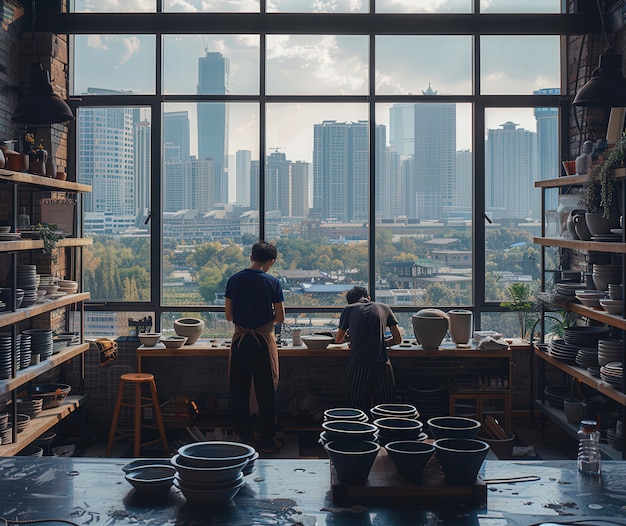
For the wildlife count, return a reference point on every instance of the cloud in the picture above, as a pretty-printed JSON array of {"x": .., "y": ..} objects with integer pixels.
[
  {"x": 132, "y": 46},
  {"x": 96, "y": 42}
]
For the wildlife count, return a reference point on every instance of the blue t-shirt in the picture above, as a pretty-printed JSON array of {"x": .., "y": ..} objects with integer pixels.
[{"x": 253, "y": 294}]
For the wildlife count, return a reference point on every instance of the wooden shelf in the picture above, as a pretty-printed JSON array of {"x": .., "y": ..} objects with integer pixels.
[
  {"x": 21, "y": 314},
  {"x": 43, "y": 182},
  {"x": 40, "y": 424},
  {"x": 574, "y": 180},
  {"x": 595, "y": 246},
  {"x": 34, "y": 244},
  {"x": 582, "y": 375},
  {"x": 596, "y": 314},
  {"x": 33, "y": 371}
]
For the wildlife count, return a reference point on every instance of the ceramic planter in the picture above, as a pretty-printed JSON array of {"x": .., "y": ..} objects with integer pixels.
[{"x": 190, "y": 327}]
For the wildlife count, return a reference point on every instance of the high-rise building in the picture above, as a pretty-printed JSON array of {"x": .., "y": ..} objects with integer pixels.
[
  {"x": 109, "y": 170},
  {"x": 547, "y": 144},
  {"x": 434, "y": 157},
  {"x": 402, "y": 128},
  {"x": 176, "y": 134},
  {"x": 300, "y": 188},
  {"x": 278, "y": 184},
  {"x": 242, "y": 177},
  {"x": 341, "y": 169},
  {"x": 510, "y": 165},
  {"x": 213, "y": 120}
]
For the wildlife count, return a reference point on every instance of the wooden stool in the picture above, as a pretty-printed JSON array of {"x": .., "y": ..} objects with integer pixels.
[{"x": 136, "y": 380}]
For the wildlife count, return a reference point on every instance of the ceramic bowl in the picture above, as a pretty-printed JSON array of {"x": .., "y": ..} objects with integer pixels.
[
  {"x": 345, "y": 413},
  {"x": 611, "y": 306},
  {"x": 453, "y": 427},
  {"x": 149, "y": 339},
  {"x": 205, "y": 498},
  {"x": 460, "y": 459},
  {"x": 397, "y": 410},
  {"x": 207, "y": 475},
  {"x": 215, "y": 454},
  {"x": 391, "y": 429},
  {"x": 151, "y": 480},
  {"x": 174, "y": 342},
  {"x": 342, "y": 430},
  {"x": 410, "y": 457},
  {"x": 317, "y": 341},
  {"x": 141, "y": 462},
  {"x": 352, "y": 459}
]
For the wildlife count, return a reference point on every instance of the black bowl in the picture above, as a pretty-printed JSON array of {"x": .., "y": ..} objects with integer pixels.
[
  {"x": 460, "y": 459},
  {"x": 352, "y": 459},
  {"x": 349, "y": 430},
  {"x": 453, "y": 427},
  {"x": 410, "y": 457}
]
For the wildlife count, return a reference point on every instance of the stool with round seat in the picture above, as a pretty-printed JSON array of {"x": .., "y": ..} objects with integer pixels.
[{"x": 138, "y": 403}]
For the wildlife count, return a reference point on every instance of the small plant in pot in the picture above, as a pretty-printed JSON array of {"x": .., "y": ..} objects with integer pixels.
[
  {"x": 599, "y": 192},
  {"x": 49, "y": 234}
]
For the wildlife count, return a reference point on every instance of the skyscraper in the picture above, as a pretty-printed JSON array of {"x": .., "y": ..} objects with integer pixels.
[
  {"x": 278, "y": 184},
  {"x": 341, "y": 169},
  {"x": 300, "y": 188},
  {"x": 176, "y": 133},
  {"x": 213, "y": 117},
  {"x": 242, "y": 177},
  {"x": 547, "y": 144},
  {"x": 510, "y": 165},
  {"x": 142, "y": 163},
  {"x": 434, "y": 157}
]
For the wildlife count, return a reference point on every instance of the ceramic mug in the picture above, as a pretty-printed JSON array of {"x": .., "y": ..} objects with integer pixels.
[{"x": 575, "y": 410}]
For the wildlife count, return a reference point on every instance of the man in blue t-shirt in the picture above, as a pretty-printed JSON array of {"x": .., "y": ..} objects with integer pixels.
[
  {"x": 255, "y": 302},
  {"x": 370, "y": 375}
]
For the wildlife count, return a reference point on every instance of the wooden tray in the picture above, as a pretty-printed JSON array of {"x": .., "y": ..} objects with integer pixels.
[{"x": 385, "y": 484}]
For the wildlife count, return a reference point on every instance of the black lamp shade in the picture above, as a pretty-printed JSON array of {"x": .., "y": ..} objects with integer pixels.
[
  {"x": 41, "y": 106},
  {"x": 607, "y": 86}
]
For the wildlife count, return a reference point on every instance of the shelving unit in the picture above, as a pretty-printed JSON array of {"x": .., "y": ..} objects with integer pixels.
[
  {"x": 596, "y": 314},
  {"x": 18, "y": 183}
]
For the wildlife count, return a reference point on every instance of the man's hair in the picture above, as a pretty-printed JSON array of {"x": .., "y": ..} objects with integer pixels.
[
  {"x": 263, "y": 251},
  {"x": 356, "y": 293}
]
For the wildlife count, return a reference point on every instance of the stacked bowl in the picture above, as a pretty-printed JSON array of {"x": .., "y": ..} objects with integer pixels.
[
  {"x": 28, "y": 280},
  {"x": 211, "y": 473},
  {"x": 348, "y": 430},
  {"x": 392, "y": 429},
  {"x": 5, "y": 356},
  {"x": 25, "y": 350},
  {"x": 345, "y": 413},
  {"x": 41, "y": 342},
  {"x": 394, "y": 410},
  {"x": 609, "y": 350},
  {"x": 68, "y": 286},
  {"x": 6, "y": 431}
]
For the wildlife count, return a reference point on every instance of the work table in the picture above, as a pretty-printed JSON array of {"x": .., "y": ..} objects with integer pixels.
[{"x": 288, "y": 492}]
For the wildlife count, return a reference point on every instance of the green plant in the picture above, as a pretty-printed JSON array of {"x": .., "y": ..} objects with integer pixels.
[
  {"x": 599, "y": 190},
  {"x": 522, "y": 303},
  {"x": 49, "y": 234}
]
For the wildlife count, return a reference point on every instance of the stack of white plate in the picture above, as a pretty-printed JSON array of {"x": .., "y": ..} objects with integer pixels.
[
  {"x": 6, "y": 357},
  {"x": 210, "y": 473},
  {"x": 609, "y": 351},
  {"x": 25, "y": 350},
  {"x": 28, "y": 280},
  {"x": 29, "y": 406},
  {"x": 612, "y": 373}
]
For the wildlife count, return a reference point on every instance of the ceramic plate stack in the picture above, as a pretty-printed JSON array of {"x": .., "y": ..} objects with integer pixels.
[
  {"x": 4, "y": 425},
  {"x": 615, "y": 437},
  {"x": 568, "y": 288},
  {"x": 586, "y": 337},
  {"x": 5, "y": 356},
  {"x": 609, "y": 350},
  {"x": 431, "y": 399},
  {"x": 25, "y": 350},
  {"x": 29, "y": 406},
  {"x": 68, "y": 286},
  {"x": 612, "y": 373},
  {"x": 28, "y": 281},
  {"x": 211, "y": 473},
  {"x": 10, "y": 236},
  {"x": 561, "y": 351},
  {"x": 3, "y": 306},
  {"x": 587, "y": 358},
  {"x": 41, "y": 342}
]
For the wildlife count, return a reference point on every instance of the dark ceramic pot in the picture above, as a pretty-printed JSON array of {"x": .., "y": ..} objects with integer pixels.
[
  {"x": 453, "y": 427},
  {"x": 352, "y": 460},
  {"x": 345, "y": 413},
  {"x": 391, "y": 429},
  {"x": 460, "y": 459},
  {"x": 503, "y": 448},
  {"x": 348, "y": 430},
  {"x": 410, "y": 457}
]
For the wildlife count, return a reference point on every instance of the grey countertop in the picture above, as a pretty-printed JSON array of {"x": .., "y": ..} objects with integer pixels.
[{"x": 295, "y": 491}]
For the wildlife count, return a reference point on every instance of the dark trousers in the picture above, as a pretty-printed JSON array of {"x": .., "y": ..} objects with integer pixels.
[
  {"x": 248, "y": 361},
  {"x": 370, "y": 384}
]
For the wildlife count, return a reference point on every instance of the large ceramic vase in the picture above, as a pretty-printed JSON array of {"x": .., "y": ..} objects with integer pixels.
[
  {"x": 190, "y": 327},
  {"x": 461, "y": 322},
  {"x": 430, "y": 327}
]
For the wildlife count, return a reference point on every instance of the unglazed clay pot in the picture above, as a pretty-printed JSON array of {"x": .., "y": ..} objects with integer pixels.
[
  {"x": 430, "y": 327},
  {"x": 190, "y": 327},
  {"x": 460, "y": 325}
]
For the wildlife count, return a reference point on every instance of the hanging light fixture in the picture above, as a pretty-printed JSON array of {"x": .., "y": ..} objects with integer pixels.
[
  {"x": 607, "y": 86},
  {"x": 41, "y": 106}
]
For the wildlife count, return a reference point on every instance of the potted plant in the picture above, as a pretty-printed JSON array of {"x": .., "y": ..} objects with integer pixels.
[
  {"x": 600, "y": 190},
  {"x": 49, "y": 234},
  {"x": 522, "y": 303}
]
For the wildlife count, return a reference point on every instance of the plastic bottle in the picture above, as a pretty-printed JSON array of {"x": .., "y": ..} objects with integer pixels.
[
  {"x": 589, "y": 455},
  {"x": 23, "y": 219}
]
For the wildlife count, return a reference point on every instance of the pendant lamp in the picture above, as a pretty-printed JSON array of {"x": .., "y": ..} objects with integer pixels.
[
  {"x": 607, "y": 86},
  {"x": 41, "y": 106}
]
